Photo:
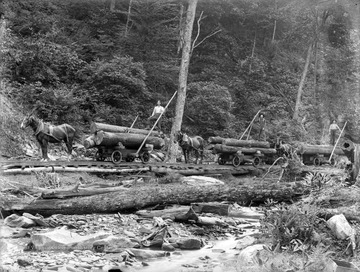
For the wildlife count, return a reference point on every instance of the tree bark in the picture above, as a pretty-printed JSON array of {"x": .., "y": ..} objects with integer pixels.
[
  {"x": 220, "y": 148},
  {"x": 246, "y": 143},
  {"x": 139, "y": 197},
  {"x": 128, "y": 140},
  {"x": 302, "y": 82},
  {"x": 184, "y": 68},
  {"x": 94, "y": 127}
]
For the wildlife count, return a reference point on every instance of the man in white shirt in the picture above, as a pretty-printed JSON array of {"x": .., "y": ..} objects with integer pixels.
[
  {"x": 158, "y": 110},
  {"x": 332, "y": 129}
]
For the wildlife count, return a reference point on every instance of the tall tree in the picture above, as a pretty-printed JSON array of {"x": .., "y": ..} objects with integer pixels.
[{"x": 184, "y": 68}]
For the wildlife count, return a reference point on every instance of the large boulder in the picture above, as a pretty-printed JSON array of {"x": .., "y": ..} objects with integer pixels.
[
  {"x": 63, "y": 239},
  {"x": 17, "y": 221},
  {"x": 340, "y": 227}
]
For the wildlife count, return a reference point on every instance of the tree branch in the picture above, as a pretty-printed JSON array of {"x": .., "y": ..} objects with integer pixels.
[
  {"x": 198, "y": 31},
  {"x": 208, "y": 36}
]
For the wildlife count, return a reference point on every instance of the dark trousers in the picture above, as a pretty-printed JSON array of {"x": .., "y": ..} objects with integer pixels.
[
  {"x": 153, "y": 119},
  {"x": 332, "y": 136}
]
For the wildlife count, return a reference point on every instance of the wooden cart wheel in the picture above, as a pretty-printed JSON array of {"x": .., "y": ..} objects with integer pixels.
[
  {"x": 116, "y": 156},
  {"x": 145, "y": 157},
  {"x": 221, "y": 160},
  {"x": 256, "y": 161},
  {"x": 236, "y": 161},
  {"x": 98, "y": 156},
  {"x": 316, "y": 162}
]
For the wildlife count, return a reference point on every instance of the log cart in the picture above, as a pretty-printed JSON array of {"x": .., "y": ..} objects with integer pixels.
[
  {"x": 119, "y": 153},
  {"x": 240, "y": 152},
  {"x": 318, "y": 154},
  {"x": 121, "y": 144}
]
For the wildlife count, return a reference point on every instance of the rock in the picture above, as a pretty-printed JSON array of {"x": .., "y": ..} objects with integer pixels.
[
  {"x": 340, "y": 227},
  {"x": 245, "y": 242},
  {"x": 24, "y": 262},
  {"x": 114, "y": 244},
  {"x": 190, "y": 243},
  {"x": 143, "y": 254},
  {"x": 167, "y": 247},
  {"x": 6, "y": 231},
  {"x": 15, "y": 220},
  {"x": 39, "y": 220},
  {"x": 201, "y": 181},
  {"x": 62, "y": 239},
  {"x": 248, "y": 254}
]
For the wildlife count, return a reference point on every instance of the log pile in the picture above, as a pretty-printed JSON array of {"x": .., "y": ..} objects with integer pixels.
[
  {"x": 246, "y": 147},
  {"x": 110, "y": 135}
]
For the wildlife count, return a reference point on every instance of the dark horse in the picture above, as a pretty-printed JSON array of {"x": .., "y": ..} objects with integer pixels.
[
  {"x": 47, "y": 133},
  {"x": 189, "y": 144}
]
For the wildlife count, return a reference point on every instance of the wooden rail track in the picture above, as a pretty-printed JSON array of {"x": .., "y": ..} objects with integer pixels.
[{"x": 28, "y": 167}]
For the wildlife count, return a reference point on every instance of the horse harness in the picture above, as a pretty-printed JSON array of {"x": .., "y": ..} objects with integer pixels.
[
  {"x": 48, "y": 129},
  {"x": 191, "y": 142}
]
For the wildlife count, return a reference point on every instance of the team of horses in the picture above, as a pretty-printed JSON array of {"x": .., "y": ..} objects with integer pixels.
[{"x": 47, "y": 133}]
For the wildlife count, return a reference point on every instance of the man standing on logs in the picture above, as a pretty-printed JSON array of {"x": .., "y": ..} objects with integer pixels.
[
  {"x": 158, "y": 110},
  {"x": 262, "y": 123},
  {"x": 332, "y": 130}
]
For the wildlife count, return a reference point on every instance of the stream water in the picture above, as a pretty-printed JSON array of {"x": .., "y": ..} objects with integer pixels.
[{"x": 216, "y": 256}]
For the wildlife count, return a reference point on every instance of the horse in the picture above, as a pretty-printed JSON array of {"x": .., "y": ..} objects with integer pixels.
[
  {"x": 47, "y": 133},
  {"x": 189, "y": 144}
]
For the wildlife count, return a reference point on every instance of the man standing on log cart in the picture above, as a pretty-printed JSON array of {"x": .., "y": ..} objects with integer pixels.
[
  {"x": 262, "y": 124},
  {"x": 332, "y": 129},
  {"x": 158, "y": 110}
]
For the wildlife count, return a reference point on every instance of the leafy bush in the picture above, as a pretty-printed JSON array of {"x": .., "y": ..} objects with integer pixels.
[{"x": 291, "y": 227}]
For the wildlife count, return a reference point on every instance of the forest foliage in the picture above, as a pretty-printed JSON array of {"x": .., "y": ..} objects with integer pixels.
[{"x": 83, "y": 60}]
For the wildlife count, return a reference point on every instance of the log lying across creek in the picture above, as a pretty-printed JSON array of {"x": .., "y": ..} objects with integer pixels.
[{"x": 139, "y": 197}]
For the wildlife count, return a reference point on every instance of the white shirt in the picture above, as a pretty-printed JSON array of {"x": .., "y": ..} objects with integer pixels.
[{"x": 158, "y": 110}]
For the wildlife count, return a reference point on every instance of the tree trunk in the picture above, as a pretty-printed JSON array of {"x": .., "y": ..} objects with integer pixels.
[
  {"x": 128, "y": 140},
  {"x": 216, "y": 140},
  {"x": 94, "y": 127},
  {"x": 246, "y": 143},
  {"x": 128, "y": 19},
  {"x": 184, "y": 68},
  {"x": 302, "y": 82},
  {"x": 220, "y": 148},
  {"x": 139, "y": 197}
]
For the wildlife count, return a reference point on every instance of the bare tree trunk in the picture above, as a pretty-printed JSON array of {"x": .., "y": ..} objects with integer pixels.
[
  {"x": 128, "y": 19},
  {"x": 302, "y": 81},
  {"x": 184, "y": 68},
  {"x": 181, "y": 35},
  {"x": 252, "y": 53},
  {"x": 112, "y": 5}
]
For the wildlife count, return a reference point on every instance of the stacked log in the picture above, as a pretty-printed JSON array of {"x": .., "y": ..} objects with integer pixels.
[
  {"x": 326, "y": 150},
  {"x": 246, "y": 143},
  {"x": 130, "y": 138},
  {"x": 222, "y": 148},
  {"x": 95, "y": 127}
]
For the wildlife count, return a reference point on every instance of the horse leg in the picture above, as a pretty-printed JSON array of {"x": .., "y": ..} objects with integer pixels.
[
  {"x": 44, "y": 150},
  {"x": 185, "y": 154}
]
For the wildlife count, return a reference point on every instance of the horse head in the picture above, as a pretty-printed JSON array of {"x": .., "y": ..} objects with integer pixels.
[{"x": 28, "y": 119}]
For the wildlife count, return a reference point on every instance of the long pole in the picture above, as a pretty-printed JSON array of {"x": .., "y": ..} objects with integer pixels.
[
  {"x": 250, "y": 124},
  {"x": 332, "y": 153},
  {"x": 147, "y": 136},
  {"x": 133, "y": 123}
]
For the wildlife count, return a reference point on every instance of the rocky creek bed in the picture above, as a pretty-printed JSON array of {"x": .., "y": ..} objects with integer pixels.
[{"x": 145, "y": 241}]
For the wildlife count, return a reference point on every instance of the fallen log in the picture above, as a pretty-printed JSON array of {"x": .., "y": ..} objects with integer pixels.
[
  {"x": 246, "y": 143},
  {"x": 306, "y": 149},
  {"x": 216, "y": 208},
  {"x": 215, "y": 140},
  {"x": 139, "y": 197},
  {"x": 77, "y": 191},
  {"x": 221, "y": 148},
  {"x": 95, "y": 127},
  {"x": 128, "y": 140}
]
